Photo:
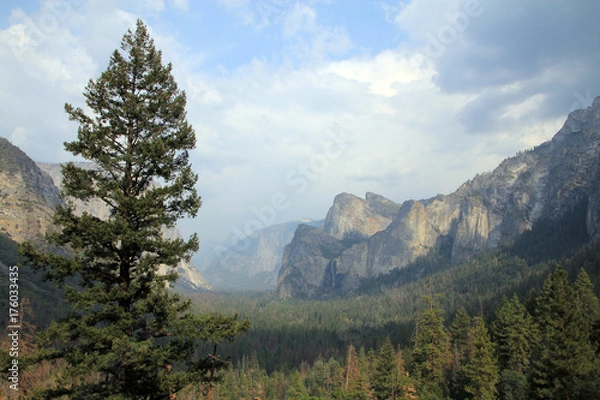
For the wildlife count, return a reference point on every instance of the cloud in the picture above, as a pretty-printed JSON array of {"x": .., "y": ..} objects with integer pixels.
[
  {"x": 383, "y": 71},
  {"x": 508, "y": 54},
  {"x": 309, "y": 114}
]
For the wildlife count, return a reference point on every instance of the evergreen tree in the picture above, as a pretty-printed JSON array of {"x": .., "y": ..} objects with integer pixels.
[
  {"x": 460, "y": 328},
  {"x": 481, "y": 369},
  {"x": 514, "y": 333},
  {"x": 431, "y": 355},
  {"x": 461, "y": 324},
  {"x": 365, "y": 367},
  {"x": 589, "y": 304},
  {"x": 564, "y": 356},
  {"x": 384, "y": 372},
  {"x": 129, "y": 337}
]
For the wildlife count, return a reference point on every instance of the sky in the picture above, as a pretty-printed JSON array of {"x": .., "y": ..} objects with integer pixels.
[{"x": 294, "y": 102}]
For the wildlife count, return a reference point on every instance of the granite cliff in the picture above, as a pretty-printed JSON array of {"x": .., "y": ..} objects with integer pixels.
[
  {"x": 547, "y": 182},
  {"x": 309, "y": 266},
  {"x": 27, "y": 195}
]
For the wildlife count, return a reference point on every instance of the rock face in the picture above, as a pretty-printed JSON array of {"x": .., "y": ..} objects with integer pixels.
[
  {"x": 252, "y": 263},
  {"x": 548, "y": 181},
  {"x": 353, "y": 218},
  {"x": 311, "y": 264},
  {"x": 189, "y": 277},
  {"x": 27, "y": 195}
]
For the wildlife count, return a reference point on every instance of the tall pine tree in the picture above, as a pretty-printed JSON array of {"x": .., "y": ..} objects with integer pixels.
[
  {"x": 563, "y": 353},
  {"x": 514, "y": 332},
  {"x": 129, "y": 337},
  {"x": 589, "y": 304},
  {"x": 432, "y": 356},
  {"x": 481, "y": 368},
  {"x": 384, "y": 372}
]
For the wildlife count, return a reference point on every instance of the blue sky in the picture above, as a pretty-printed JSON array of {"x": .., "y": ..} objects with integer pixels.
[{"x": 294, "y": 102}]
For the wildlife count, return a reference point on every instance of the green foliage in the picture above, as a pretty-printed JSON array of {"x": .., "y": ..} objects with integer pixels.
[
  {"x": 502, "y": 365},
  {"x": 432, "y": 355},
  {"x": 563, "y": 354},
  {"x": 514, "y": 332},
  {"x": 128, "y": 336},
  {"x": 46, "y": 300},
  {"x": 481, "y": 368},
  {"x": 589, "y": 304},
  {"x": 384, "y": 379}
]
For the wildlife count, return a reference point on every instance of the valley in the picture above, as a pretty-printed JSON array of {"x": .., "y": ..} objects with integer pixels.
[{"x": 318, "y": 293}]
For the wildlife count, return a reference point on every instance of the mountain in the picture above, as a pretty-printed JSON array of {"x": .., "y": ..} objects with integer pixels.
[
  {"x": 252, "y": 263},
  {"x": 27, "y": 195},
  {"x": 307, "y": 268},
  {"x": 548, "y": 182},
  {"x": 190, "y": 278}
]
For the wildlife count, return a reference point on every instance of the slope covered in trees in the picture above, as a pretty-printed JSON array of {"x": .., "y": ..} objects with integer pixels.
[{"x": 545, "y": 348}]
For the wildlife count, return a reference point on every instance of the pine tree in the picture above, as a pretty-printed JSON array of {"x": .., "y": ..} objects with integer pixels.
[
  {"x": 563, "y": 355},
  {"x": 461, "y": 324},
  {"x": 128, "y": 337},
  {"x": 460, "y": 328},
  {"x": 365, "y": 365},
  {"x": 431, "y": 355},
  {"x": 589, "y": 304},
  {"x": 384, "y": 372},
  {"x": 481, "y": 369},
  {"x": 514, "y": 333}
]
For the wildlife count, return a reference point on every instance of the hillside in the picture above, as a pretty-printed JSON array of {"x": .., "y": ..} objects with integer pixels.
[
  {"x": 27, "y": 194},
  {"x": 548, "y": 182}
]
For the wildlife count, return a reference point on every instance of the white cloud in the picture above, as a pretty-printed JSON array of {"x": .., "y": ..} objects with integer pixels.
[
  {"x": 383, "y": 71},
  {"x": 301, "y": 19},
  {"x": 408, "y": 119}
]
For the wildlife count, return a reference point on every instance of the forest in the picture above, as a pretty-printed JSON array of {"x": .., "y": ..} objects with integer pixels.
[
  {"x": 97, "y": 320},
  {"x": 542, "y": 344},
  {"x": 450, "y": 334}
]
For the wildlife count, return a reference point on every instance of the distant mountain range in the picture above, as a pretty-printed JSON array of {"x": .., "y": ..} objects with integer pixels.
[
  {"x": 366, "y": 238},
  {"x": 252, "y": 263},
  {"x": 360, "y": 238}
]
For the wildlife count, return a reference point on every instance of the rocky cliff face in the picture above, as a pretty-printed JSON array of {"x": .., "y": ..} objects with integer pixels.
[
  {"x": 27, "y": 195},
  {"x": 254, "y": 262},
  {"x": 353, "y": 218},
  {"x": 311, "y": 265},
  {"x": 549, "y": 181},
  {"x": 190, "y": 278}
]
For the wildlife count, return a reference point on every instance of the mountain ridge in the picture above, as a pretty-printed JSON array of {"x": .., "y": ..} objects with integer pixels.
[{"x": 547, "y": 181}]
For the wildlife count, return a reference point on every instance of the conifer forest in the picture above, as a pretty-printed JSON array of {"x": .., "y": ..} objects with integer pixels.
[{"x": 96, "y": 312}]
